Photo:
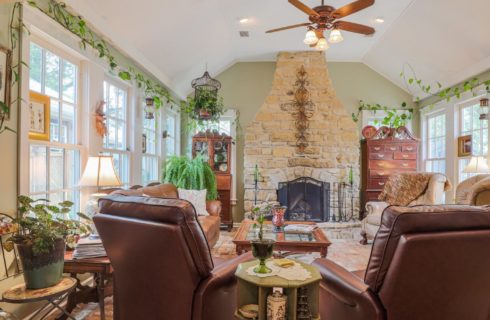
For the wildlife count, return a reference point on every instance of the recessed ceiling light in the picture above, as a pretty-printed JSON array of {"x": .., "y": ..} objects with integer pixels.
[
  {"x": 379, "y": 20},
  {"x": 243, "y": 20}
]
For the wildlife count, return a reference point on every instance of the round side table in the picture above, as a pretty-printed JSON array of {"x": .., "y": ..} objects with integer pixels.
[
  {"x": 254, "y": 290},
  {"x": 53, "y": 295}
]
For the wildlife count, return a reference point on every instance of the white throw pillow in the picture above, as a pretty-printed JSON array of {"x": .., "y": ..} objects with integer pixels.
[{"x": 197, "y": 198}]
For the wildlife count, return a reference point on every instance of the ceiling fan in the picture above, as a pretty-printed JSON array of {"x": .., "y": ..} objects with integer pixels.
[{"x": 324, "y": 17}]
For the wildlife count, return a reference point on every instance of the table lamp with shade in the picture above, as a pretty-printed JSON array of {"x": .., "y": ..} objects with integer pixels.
[
  {"x": 99, "y": 172},
  {"x": 477, "y": 164}
]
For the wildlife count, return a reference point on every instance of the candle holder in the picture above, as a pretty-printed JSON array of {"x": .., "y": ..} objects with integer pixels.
[{"x": 278, "y": 221}]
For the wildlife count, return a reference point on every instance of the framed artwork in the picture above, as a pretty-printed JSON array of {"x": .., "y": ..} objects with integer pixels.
[
  {"x": 5, "y": 78},
  {"x": 39, "y": 116},
  {"x": 464, "y": 146}
]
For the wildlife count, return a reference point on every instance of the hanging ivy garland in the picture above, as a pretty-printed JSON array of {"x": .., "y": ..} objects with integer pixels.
[{"x": 78, "y": 26}]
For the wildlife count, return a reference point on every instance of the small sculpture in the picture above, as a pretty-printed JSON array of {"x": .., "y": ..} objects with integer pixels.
[{"x": 100, "y": 125}]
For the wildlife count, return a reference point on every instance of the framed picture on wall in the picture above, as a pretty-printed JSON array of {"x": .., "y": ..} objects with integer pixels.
[
  {"x": 464, "y": 146},
  {"x": 39, "y": 116},
  {"x": 5, "y": 81}
]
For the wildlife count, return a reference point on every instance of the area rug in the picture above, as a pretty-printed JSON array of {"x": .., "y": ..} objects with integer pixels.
[{"x": 347, "y": 253}]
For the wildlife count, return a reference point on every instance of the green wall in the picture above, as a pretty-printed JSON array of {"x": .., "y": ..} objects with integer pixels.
[{"x": 245, "y": 86}]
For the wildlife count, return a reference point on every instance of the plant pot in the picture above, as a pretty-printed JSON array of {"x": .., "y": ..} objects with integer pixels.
[
  {"x": 42, "y": 270},
  {"x": 262, "y": 250},
  {"x": 204, "y": 114}
]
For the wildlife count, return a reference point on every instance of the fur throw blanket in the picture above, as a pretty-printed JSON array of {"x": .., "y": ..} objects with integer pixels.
[{"x": 403, "y": 188}]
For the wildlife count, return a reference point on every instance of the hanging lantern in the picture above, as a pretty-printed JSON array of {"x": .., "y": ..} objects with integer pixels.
[
  {"x": 149, "y": 110},
  {"x": 484, "y": 109}
]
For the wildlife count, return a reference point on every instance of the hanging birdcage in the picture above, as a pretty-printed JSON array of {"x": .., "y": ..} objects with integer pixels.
[{"x": 205, "y": 85}]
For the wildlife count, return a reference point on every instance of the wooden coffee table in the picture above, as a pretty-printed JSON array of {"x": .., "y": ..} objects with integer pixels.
[{"x": 314, "y": 241}]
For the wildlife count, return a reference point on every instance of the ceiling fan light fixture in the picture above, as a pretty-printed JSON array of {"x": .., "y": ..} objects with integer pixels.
[
  {"x": 335, "y": 36},
  {"x": 322, "y": 44},
  {"x": 310, "y": 37}
]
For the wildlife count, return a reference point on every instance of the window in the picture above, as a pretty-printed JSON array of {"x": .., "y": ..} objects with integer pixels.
[
  {"x": 435, "y": 160},
  {"x": 54, "y": 166},
  {"x": 115, "y": 141},
  {"x": 150, "y": 159},
  {"x": 470, "y": 124},
  {"x": 172, "y": 125}
]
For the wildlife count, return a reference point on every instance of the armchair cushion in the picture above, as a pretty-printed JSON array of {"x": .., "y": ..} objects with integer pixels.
[{"x": 478, "y": 194}]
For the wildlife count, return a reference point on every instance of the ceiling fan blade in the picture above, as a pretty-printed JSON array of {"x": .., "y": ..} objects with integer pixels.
[
  {"x": 354, "y": 27},
  {"x": 301, "y": 6},
  {"x": 289, "y": 27},
  {"x": 352, "y": 8}
]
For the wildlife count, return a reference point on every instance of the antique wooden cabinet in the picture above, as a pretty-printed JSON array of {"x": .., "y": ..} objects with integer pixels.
[
  {"x": 384, "y": 152},
  {"x": 216, "y": 149}
]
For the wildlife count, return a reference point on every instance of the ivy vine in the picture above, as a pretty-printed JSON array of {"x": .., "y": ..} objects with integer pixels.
[
  {"x": 436, "y": 89},
  {"x": 393, "y": 119},
  {"x": 78, "y": 26}
]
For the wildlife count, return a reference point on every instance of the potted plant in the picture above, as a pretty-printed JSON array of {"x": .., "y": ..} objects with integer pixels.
[
  {"x": 42, "y": 229},
  {"x": 206, "y": 105},
  {"x": 261, "y": 248},
  {"x": 191, "y": 174}
]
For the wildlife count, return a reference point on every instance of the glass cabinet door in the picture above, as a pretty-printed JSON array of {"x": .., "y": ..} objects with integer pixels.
[
  {"x": 201, "y": 148},
  {"x": 220, "y": 156}
]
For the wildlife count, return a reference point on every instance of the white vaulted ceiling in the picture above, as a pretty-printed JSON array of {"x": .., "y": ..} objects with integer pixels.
[{"x": 444, "y": 40}]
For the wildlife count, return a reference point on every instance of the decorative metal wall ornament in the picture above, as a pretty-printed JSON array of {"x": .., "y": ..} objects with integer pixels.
[
  {"x": 301, "y": 108},
  {"x": 100, "y": 119}
]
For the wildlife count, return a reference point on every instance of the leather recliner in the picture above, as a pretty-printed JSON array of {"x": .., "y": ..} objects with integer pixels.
[
  {"x": 162, "y": 263},
  {"x": 427, "y": 263}
]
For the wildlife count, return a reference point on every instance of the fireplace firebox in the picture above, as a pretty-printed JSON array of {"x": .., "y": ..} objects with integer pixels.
[{"x": 307, "y": 199}]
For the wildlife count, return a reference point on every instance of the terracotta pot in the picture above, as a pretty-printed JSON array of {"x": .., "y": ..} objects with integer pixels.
[
  {"x": 204, "y": 114},
  {"x": 42, "y": 270}
]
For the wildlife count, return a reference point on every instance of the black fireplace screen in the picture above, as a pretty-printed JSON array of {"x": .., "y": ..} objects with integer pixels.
[{"x": 308, "y": 199}]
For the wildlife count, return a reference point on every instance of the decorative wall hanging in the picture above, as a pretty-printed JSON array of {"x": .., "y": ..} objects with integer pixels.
[
  {"x": 5, "y": 79},
  {"x": 464, "y": 146},
  {"x": 100, "y": 118},
  {"x": 301, "y": 108},
  {"x": 39, "y": 116}
]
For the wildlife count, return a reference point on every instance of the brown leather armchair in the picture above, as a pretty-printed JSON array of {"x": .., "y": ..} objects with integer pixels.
[
  {"x": 210, "y": 224},
  {"x": 162, "y": 263},
  {"x": 427, "y": 263}
]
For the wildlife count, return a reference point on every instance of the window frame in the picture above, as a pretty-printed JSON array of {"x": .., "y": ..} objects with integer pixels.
[
  {"x": 157, "y": 155},
  {"x": 426, "y": 139},
  {"x": 126, "y": 151},
  {"x": 64, "y": 55}
]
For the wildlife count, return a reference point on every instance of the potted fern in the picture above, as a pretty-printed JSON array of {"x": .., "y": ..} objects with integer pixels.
[
  {"x": 41, "y": 231},
  {"x": 191, "y": 174}
]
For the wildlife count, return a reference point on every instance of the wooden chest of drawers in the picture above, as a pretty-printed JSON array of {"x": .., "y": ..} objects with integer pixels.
[{"x": 380, "y": 159}]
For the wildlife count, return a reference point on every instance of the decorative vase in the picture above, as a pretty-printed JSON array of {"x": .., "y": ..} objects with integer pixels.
[
  {"x": 262, "y": 250},
  {"x": 45, "y": 269},
  {"x": 278, "y": 217},
  {"x": 276, "y": 306}
]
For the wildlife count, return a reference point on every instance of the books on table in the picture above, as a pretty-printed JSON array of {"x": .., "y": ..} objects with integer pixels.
[
  {"x": 90, "y": 247},
  {"x": 300, "y": 228}
]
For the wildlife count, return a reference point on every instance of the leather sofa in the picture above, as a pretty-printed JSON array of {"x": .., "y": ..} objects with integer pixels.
[
  {"x": 474, "y": 191},
  {"x": 162, "y": 263},
  {"x": 427, "y": 263},
  {"x": 210, "y": 224},
  {"x": 374, "y": 209}
]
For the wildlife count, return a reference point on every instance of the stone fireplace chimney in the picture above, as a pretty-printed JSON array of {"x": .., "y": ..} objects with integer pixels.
[{"x": 270, "y": 140}]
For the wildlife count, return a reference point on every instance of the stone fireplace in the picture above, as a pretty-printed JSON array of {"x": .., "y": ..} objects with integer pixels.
[{"x": 332, "y": 136}]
